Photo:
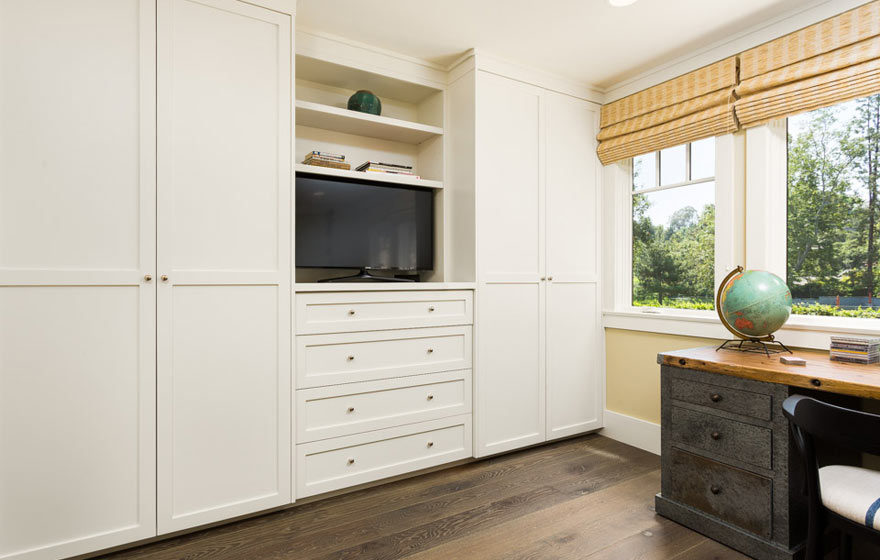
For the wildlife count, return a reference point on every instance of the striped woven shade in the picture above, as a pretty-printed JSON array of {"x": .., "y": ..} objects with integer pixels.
[
  {"x": 827, "y": 63},
  {"x": 697, "y": 105}
]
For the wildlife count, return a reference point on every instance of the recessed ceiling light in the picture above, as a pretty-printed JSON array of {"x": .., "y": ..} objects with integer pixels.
[{"x": 621, "y": 3}]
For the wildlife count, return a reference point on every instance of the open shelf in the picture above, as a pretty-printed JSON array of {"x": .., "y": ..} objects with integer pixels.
[
  {"x": 326, "y": 117},
  {"x": 367, "y": 176}
]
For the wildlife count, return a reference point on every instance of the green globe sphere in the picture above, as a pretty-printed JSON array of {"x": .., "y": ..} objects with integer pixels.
[{"x": 755, "y": 303}]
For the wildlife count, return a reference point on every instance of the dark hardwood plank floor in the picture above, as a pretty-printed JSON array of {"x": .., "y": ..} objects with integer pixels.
[{"x": 584, "y": 498}]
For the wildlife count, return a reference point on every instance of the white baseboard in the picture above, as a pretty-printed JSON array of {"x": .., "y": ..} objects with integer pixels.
[{"x": 632, "y": 431}]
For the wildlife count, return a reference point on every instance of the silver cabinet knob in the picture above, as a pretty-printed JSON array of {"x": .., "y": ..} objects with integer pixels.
[
  {"x": 430, "y": 397},
  {"x": 350, "y": 461},
  {"x": 351, "y": 312},
  {"x": 148, "y": 277},
  {"x": 430, "y": 444},
  {"x": 350, "y": 358},
  {"x": 350, "y": 409}
]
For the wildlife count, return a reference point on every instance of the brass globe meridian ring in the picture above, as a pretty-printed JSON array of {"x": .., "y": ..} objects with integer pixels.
[{"x": 727, "y": 325}]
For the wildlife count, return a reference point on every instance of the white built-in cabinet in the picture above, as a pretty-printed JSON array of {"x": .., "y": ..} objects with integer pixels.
[
  {"x": 145, "y": 233},
  {"x": 538, "y": 354}
]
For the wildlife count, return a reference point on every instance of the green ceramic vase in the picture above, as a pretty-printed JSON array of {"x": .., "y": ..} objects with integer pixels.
[{"x": 365, "y": 102}]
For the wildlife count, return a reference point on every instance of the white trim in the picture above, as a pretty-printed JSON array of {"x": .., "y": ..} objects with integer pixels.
[
  {"x": 766, "y": 197},
  {"x": 730, "y": 195},
  {"x": 632, "y": 431},
  {"x": 733, "y": 44}
]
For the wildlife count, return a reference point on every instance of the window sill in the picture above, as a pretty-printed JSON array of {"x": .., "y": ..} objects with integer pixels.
[{"x": 802, "y": 331}]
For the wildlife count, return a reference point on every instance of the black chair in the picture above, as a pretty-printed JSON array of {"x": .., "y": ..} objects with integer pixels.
[{"x": 843, "y": 497}]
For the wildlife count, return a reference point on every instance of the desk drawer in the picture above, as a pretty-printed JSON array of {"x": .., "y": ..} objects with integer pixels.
[
  {"x": 339, "y": 410},
  {"x": 347, "y": 358},
  {"x": 733, "y": 495},
  {"x": 736, "y": 401},
  {"x": 320, "y": 313},
  {"x": 338, "y": 463},
  {"x": 737, "y": 440}
]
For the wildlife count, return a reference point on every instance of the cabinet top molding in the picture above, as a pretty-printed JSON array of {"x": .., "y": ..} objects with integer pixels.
[{"x": 819, "y": 374}]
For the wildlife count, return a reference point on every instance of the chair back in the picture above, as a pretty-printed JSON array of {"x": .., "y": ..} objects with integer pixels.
[{"x": 843, "y": 427}]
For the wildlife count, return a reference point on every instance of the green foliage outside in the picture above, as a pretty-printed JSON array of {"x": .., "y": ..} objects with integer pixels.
[{"x": 811, "y": 309}]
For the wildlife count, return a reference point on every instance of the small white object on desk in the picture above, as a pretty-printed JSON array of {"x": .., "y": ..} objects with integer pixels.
[{"x": 793, "y": 360}]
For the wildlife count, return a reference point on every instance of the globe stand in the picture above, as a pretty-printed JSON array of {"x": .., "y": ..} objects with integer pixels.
[
  {"x": 745, "y": 343},
  {"x": 754, "y": 346}
]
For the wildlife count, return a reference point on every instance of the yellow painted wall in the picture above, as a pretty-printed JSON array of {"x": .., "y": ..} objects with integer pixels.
[{"x": 632, "y": 376}]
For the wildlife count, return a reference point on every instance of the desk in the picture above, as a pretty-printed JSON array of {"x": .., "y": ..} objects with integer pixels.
[{"x": 729, "y": 466}]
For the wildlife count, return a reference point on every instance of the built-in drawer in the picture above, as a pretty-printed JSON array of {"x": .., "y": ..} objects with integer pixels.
[
  {"x": 733, "y": 495},
  {"x": 729, "y": 438},
  {"x": 717, "y": 397},
  {"x": 326, "y": 312},
  {"x": 339, "y": 410},
  {"x": 330, "y": 359},
  {"x": 337, "y": 463}
]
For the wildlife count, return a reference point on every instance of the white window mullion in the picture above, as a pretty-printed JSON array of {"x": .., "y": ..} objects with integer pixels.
[
  {"x": 766, "y": 197},
  {"x": 730, "y": 200}
]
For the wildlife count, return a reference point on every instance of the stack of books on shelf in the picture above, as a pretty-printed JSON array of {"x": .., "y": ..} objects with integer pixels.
[
  {"x": 855, "y": 349},
  {"x": 378, "y": 167},
  {"x": 325, "y": 159}
]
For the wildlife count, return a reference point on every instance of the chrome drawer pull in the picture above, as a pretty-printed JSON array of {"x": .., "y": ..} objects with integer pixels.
[
  {"x": 350, "y": 358},
  {"x": 350, "y": 409},
  {"x": 715, "y": 397},
  {"x": 430, "y": 397},
  {"x": 715, "y": 489},
  {"x": 430, "y": 444},
  {"x": 350, "y": 461},
  {"x": 715, "y": 435}
]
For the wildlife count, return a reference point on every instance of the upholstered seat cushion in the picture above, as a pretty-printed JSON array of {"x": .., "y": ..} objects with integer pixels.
[{"x": 852, "y": 492}]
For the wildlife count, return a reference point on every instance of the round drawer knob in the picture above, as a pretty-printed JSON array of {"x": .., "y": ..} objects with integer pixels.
[
  {"x": 431, "y": 309},
  {"x": 350, "y": 409},
  {"x": 350, "y": 358},
  {"x": 430, "y": 397},
  {"x": 350, "y": 461},
  {"x": 351, "y": 311},
  {"x": 430, "y": 444},
  {"x": 164, "y": 277},
  {"x": 430, "y": 350},
  {"x": 715, "y": 489},
  {"x": 148, "y": 277},
  {"x": 716, "y": 435},
  {"x": 715, "y": 397}
]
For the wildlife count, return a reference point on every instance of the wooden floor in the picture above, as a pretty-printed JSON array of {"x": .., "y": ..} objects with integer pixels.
[{"x": 585, "y": 498}]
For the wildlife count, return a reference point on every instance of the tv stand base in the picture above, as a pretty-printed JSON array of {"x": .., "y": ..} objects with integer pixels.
[{"x": 365, "y": 276}]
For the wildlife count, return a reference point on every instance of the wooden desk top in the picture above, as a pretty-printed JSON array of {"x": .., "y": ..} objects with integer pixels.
[{"x": 820, "y": 373}]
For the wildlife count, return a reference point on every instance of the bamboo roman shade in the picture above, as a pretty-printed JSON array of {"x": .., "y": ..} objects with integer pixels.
[
  {"x": 696, "y": 105},
  {"x": 830, "y": 62},
  {"x": 827, "y": 63}
]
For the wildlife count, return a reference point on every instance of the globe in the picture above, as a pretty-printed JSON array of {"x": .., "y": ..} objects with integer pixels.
[{"x": 754, "y": 303}]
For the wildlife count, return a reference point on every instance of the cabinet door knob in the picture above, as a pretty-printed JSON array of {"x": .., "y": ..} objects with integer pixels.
[
  {"x": 351, "y": 311},
  {"x": 350, "y": 461},
  {"x": 543, "y": 278},
  {"x": 431, "y": 308},
  {"x": 350, "y": 409},
  {"x": 715, "y": 489},
  {"x": 430, "y": 444},
  {"x": 430, "y": 397},
  {"x": 350, "y": 358},
  {"x": 550, "y": 278},
  {"x": 148, "y": 277},
  {"x": 164, "y": 277},
  {"x": 715, "y": 435},
  {"x": 715, "y": 397},
  {"x": 430, "y": 350}
]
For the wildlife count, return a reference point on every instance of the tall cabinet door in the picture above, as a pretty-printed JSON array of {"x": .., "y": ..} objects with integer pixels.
[
  {"x": 574, "y": 355},
  {"x": 224, "y": 180},
  {"x": 77, "y": 243},
  {"x": 509, "y": 342}
]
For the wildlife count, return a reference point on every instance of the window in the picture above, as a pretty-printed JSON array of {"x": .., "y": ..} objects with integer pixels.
[
  {"x": 673, "y": 227},
  {"x": 833, "y": 210}
]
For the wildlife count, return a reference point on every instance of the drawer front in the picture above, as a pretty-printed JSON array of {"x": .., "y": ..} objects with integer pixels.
[
  {"x": 340, "y": 410},
  {"x": 733, "y": 495},
  {"x": 737, "y": 440},
  {"x": 347, "y": 358},
  {"x": 321, "y": 313},
  {"x": 342, "y": 462},
  {"x": 746, "y": 403}
]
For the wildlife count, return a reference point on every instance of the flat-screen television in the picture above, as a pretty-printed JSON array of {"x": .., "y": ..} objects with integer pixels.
[{"x": 343, "y": 223}]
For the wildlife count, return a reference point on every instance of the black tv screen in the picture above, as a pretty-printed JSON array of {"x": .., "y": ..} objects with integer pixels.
[{"x": 354, "y": 224}]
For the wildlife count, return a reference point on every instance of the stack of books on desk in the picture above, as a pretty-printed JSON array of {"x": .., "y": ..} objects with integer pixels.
[
  {"x": 395, "y": 168},
  {"x": 855, "y": 349},
  {"x": 325, "y": 159}
]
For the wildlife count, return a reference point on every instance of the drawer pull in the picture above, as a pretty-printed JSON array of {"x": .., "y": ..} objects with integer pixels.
[
  {"x": 430, "y": 350},
  {"x": 350, "y": 461},
  {"x": 350, "y": 358},
  {"x": 715, "y": 397},
  {"x": 350, "y": 409},
  {"x": 430, "y": 444},
  {"x": 431, "y": 309},
  {"x": 351, "y": 312},
  {"x": 715, "y": 489},
  {"x": 716, "y": 435},
  {"x": 430, "y": 397}
]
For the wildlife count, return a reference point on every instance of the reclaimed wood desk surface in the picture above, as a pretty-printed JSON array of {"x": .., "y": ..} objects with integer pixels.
[{"x": 820, "y": 373}]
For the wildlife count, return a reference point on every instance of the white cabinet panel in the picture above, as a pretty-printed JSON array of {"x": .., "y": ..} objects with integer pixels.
[
  {"x": 77, "y": 238},
  {"x": 574, "y": 359},
  {"x": 224, "y": 185},
  {"x": 510, "y": 367}
]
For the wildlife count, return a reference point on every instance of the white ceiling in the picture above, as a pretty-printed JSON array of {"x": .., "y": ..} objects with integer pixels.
[{"x": 585, "y": 40}]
